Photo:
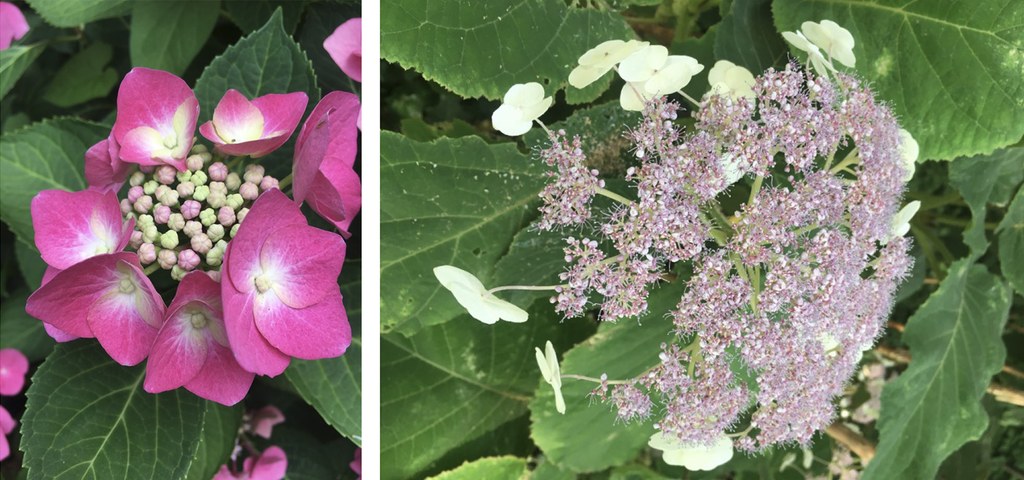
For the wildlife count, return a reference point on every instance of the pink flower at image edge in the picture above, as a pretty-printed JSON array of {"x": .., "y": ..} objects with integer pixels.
[
  {"x": 254, "y": 128},
  {"x": 13, "y": 25},
  {"x": 345, "y": 46}
]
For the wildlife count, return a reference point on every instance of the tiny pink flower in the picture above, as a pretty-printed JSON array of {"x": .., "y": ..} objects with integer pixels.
[
  {"x": 147, "y": 253},
  {"x": 226, "y": 216},
  {"x": 135, "y": 193},
  {"x": 325, "y": 152},
  {"x": 188, "y": 260},
  {"x": 268, "y": 183},
  {"x": 345, "y": 46},
  {"x": 167, "y": 259},
  {"x": 104, "y": 169},
  {"x": 162, "y": 214},
  {"x": 249, "y": 191},
  {"x": 136, "y": 239},
  {"x": 143, "y": 204},
  {"x": 270, "y": 465},
  {"x": 156, "y": 118},
  {"x": 201, "y": 243},
  {"x": 191, "y": 349},
  {"x": 264, "y": 419},
  {"x": 73, "y": 226},
  {"x": 107, "y": 297},
  {"x": 126, "y": 206},
  {"x": 13, "y": 366},
  {"x": 280, "y": 288},
  {"x": 218, "y": 172},
  {"x": 12, "y": 24},
  {"x": 190, "y": 209},
  {"x": 7, "y": 424},
  {"x": 165, "y": 174},
  {"x": 256, "y": 128}
]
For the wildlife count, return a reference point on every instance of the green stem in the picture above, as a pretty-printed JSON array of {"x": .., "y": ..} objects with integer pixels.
[
  {"x": 755, "y": 188},
  {"x": 285, "y": 182},
  {"x": 595, "y": 380},
  {"x": 151, "y": 268},
  {"x": 614, "y": 196},
  {"x": 851, "y": 158},
  {"x": 525, "y": 287}
]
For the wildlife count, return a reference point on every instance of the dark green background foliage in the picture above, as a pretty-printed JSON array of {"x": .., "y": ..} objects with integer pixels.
[
  {"x": 465, "y": 399},
  {"x": 82, "y": 415}
]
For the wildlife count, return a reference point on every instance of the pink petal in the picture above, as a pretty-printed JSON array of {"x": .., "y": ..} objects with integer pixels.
[
  {"x": 336, "y": 194},
  {"x": 254, "y": 148},
  {"x": 303, "y": 263},
  {"x": 264, "y": 419},
  {"x": 318, "y": 331},
  {"x": 13, "y": 366},
  {"x": 7, "y": 422},
  {"x": 104, "y": 169},
  {"x": 251, "y": 350},
  {"x": 5, "y": 448},
  {"x": 224, "y": 474},
  {"x": 63, "y": 300},
  {"x": 357, "y": 463},
  {"x": 148, "y": 102},
  {"x": 54, "y": 332},
  {"x": 177, "y": 355},
  {"x": 345, "y": 46},
  {"x": 73, "y": 226},
  {"x": 271, "y": 465},
  {"x": 329, "y": 136},
  {"x": 240, "y": 127},
  {"x": 221, "y": 379},
  {"x": 12, "y": 25},
  {"x": 272, "y": 210},
  {"x": 126, "y": 323}
]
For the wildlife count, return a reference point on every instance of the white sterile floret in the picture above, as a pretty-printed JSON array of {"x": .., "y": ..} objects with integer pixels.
[
  {"x": 901, "y": 222},
  {"x": 633, "y": 96},
  {"x": 692, "y": 457},
  {"x": 909, "y": 151},
  {"x": 643, "y": 64},
  {"x": 548, "y": 363},
  {"x": 475, "y": 298},
  {"x": 731, "y": 80},
  {"x": 601, "y": 59},
  {"x": 673, "y": 75},
  {"x": 835, "y": 41},
  {"x": 523, "y": 103},
  {"x": 814, "y": 54}
]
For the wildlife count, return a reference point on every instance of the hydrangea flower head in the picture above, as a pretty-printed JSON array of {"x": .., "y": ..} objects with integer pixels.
[
  {"x": 13, "y": 25},
  {"x": 254, "y": 128},
  {"x": 547, "y": 361},
  {"x": 693, "y": 457},
  {"x": 475, "y": 298},
  {"x": 13, "y": 367},
  {"x": 522, "y": 104},
  {"x": 345, "y": 46},
  {"x": 156, "y": 118}
]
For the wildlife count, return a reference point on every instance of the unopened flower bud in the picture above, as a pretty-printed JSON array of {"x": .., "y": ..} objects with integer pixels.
[
  {"x": 201, "y": 193},
  {"x": 215, "y": 256},
  {"x": 234, "y": 230},
  {"x": 253, "y": 174},
  {"x": 218, "y": 171},
  {"x": 218, "y": 187},
  {"x": 190, "y": 209},
  {"x": 217, "y": 199},
  {"x": 147, "y": 253},
  {"x": 169, "y": 198},
  {"x": 134, "y": 193},
  {"x": 126, "y": 206},
  {"x": 207, "y": 217},
  {"x": 184, "y": 176},
  {"x": 235, "y": 201},
  {"x": 192, "y": 228},
  {"x": 226, "y": 216},
  {"x": 149, "y": 187},
  {"x": 137, "y": 179},
  {"x": 194, "y": 163},
  {"x": 177, "y": 272},
  {"x": 169, "y": 239},
  {"x": 143, "y": 221},
  {"x": 176, "y": 222},
  {"x": 150, "y": 233},
  {"x": 188, "y": 260},
  {"x": 165, "y": 174},
  {"x": 143, "y": 204},
  {"x": 167, "y": 259},
  {"x": 201, "y": 243},
  {"x": 136, "y": 239},
  {"x": 233, "y": 181},
  {"x": 241, "y": 214},
  {"x": 162, "y": 214},
  {"x": 199, "y": 148},
  {"x": 215, "y": 232},
  {"x": 249, "y": 191},
  {"x": 199, "y": 178},
  {"x": 268, "y": 183},
  {"x": 185, "y": 189},
  {"x": 147, "y": 169}
]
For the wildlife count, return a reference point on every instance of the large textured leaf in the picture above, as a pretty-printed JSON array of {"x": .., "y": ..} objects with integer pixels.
[
  {"x": 496, "y": 468},
  {"x": 19, "y": 330},
  {"x": 83, "y": 77},
  {"x": 72, "y": 13},
  {"x": 452, "y": 383},
  {"x": 220, "y": 427},
  {"x": 587, "y": 438},
  {"x": 748, "y": 38},
  {"x": 168, "y": 35},
  {"x": 13, "y": 62},
  {"x": 934, "y": 406},
  {"x": 251, "y": 14},
  {"x": 952, "y": 70},
  {"x": 480, "y": 49},
  {"x": 982, "y": 180},
  {"x": 44, "y": 155},
  {"x": 452, "y": 201},
  {"x": 88, "y": 417},
  {"x": 1011, "y": 243}
]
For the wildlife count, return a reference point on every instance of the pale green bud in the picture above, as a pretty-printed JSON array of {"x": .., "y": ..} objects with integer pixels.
[
  {"x": 169, "y": 239},
  {"x": 215, "y": 256},
  {"x": 241, "y": 214},
  {"x": 150, "y": 187},
  {"x": 235, "y": 201},
  {"x": 177, "y": 273},
  {"x": 201, "y": 193},
  {"x": 233, "y": 181},
  {"x": 145, "y": 220},
  {"x": 234, "y": 230},
  {"x": 219, "y": 187},
  {"x": 207, "y": 217},
  {"x": 169, "y": 198},
  {"x": 137, "y": 178},
  {"x": 184, "y": 176},
  {"x": 176, "y": 222},
  {"x": 216, "y": 199},
  {"x": 215, "y": 232},
  {"x": 199, "y": 178},
  {"x": 150, "y": 233}
]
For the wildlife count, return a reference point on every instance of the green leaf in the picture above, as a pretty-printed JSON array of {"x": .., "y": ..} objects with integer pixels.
[
  {"x": 88, "y": 417},
  {"x": 168, "y": 35},
  {"x": 252, "y": 14},
  {"x": 220, "y": 427},
  {"x": 20, "y": 330},
  {"x": 952, "y": 71},
  {"x": 983, "y": 180},
  {"x": 44, "y": 155},
  {"x": 748, "y": 38},
  {"x": 84, "y": 77},
  {"x": 451, "y": 201},
  {"x": 496, "y": 468},
  {"x": 452, "y": 383},
  {"x": 480, "y": 49},
  {"x": 588, "y": 437},
  {"x": 30, "y": 263},
  {"x": 72, "y": 13},
  {"x": 13, "y": 63},
  {"x": 331, "y": 386},
  {"x": 1011, "y": 243},
  {"x": 934, "y": 406}
]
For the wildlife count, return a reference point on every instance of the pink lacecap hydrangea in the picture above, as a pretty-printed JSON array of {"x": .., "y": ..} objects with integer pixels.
[
  {"x": 269, "y": 465},
  {"x": 156, "y": 118},
  {"x": 12, "y": 24},
  {"x": 345, "y": 46},
  {"x": 254, "y": 128},
  {"x": 13, "y": 367}
]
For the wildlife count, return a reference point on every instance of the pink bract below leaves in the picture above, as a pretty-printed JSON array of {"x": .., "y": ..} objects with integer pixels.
[
  {"x": 191, "y": 349},
  {"x": 270, "y": 465},
  {"x": 325, "y": 152},
  {"x": 13, "y": 366},
  {"x": 12, "y": 24},
  {"x": 156, "y": 118},
  {"x": 345, "y": 46},
  {"x": 256, "y": 128},
  {"x": 280, "y": 289}
]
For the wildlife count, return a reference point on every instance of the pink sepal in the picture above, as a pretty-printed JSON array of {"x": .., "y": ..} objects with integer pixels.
[
  {"x": 13, "y": 25},
  {"x": 318, "y": 331},
  {"x": 60, "y": 336},
  {"x": 104, "y": 169},
  {"x": 271, "y": 211},
  {"x": 251, "y": 350},
  {"x": 274, "y": 116},
  {"x": 7, "y": 424},
  {"x": 73, "y": 226},
  {"x": 156, "y": 118},
  {"x": 304, "y": 262},
  {"x": 345, "y": 46},
  {"x": 13, "y": 366},
  {"x": 264, "y": 420}
]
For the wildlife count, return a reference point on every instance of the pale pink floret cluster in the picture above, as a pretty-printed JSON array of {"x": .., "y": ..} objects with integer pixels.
[
  {"x": 788, "y": 290},
  {"x": 567, "y": 198}
]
